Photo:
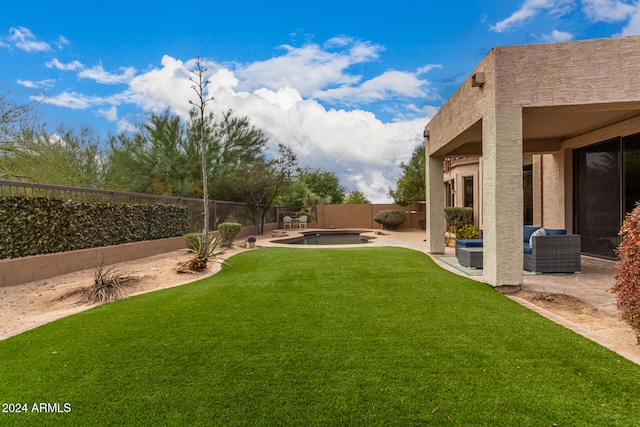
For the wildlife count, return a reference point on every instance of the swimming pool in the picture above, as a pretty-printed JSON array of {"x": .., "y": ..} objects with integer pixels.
[{"x": 327, "y": 238}]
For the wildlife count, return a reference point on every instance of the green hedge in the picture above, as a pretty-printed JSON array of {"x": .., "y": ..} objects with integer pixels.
[
  {"x": 34, "y": 226},
  {"x": 228, "y": 232},
  {"x": 458, "y": 216},
  {"x": 389, "y": 219}
]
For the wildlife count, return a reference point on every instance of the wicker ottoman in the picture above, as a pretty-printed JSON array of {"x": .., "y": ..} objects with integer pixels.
[{"x": 470, "y": 257}]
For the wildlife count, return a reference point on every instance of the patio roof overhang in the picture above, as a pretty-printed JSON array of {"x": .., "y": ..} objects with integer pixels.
[
  {"x": 546, "y": 129},
  {"x": 525, "y": 100}
]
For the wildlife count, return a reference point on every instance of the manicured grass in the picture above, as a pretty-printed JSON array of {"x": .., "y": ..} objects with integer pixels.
[{"x": 371, "y": 336}]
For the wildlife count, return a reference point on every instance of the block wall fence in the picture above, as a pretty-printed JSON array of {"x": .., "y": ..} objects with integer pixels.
[
  {"x": 361, "y": 216},
  {"x": 17, "y": 271}
]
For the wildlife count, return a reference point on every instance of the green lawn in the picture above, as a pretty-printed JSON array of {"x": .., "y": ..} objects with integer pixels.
[{"x": 371, "y": 336}]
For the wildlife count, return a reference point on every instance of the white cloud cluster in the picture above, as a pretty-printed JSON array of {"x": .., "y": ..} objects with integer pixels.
[
  {"x": 609, "y": 11},
  {"x": 306, "y": 98},
  {"x": 42, "y": 84},
  {"x": 23, "y": 39},
  {"x": 98, "y": 74},
  {"x": 557, "y": 36},
  {"x": 531, "y": 8}
]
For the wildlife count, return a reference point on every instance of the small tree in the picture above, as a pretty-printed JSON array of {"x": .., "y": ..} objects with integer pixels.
[
  {"x": 627, "y": 287},
  {"x": 356, "y": 198},
  {"x": 411, "y": 186},
  {"x": 199, "y": 87},
  {"x": 261, "y": 181}
]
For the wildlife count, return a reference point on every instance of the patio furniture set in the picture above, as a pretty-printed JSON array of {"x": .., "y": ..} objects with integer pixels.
[
  {"x": 300, "y": 222},
  {"x": 545, "y": 251}
]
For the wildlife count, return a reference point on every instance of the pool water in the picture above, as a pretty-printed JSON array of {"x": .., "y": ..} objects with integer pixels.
[{"x": 328, "y": 239}]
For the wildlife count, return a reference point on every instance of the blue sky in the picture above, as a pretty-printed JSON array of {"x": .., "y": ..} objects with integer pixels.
[{"x": 348, "y": 85}]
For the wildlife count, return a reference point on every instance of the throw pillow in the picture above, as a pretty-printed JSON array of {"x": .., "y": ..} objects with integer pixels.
[{"x": 538, "y": 232}]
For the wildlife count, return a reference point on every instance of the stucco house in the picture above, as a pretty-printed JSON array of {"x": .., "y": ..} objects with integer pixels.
[{"x": 546, "y": 135}]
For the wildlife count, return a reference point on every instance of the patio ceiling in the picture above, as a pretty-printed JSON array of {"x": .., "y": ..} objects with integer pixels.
[{"x": 545, "y": 128}]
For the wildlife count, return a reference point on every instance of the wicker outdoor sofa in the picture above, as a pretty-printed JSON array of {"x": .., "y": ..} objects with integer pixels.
[
  {"x": 554, "y": 251},
  {"x": 545, "y": 251}
]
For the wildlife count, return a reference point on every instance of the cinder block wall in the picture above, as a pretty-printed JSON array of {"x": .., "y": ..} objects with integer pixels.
[
  {"x": 361, "y": 216},
  {"x": 28, "y": 269},
  {"x": 17, "y": 271}
]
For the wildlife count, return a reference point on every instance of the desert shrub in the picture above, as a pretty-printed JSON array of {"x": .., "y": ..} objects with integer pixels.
[
  {"x": 228, "y": 232},
  {"x": 389, "y": 219},
  {"x": 422, "y": 222},
  {"x": 305, "y": 212},
  {"x": 458, "y": 216},
  {"x": 466, "y": 231},
  {"x": 627, "y": 287}
]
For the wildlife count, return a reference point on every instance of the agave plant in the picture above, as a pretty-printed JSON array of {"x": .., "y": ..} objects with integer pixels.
[
  {"x": 108, "y": 285},
  {"x": 204, "y": 250}
]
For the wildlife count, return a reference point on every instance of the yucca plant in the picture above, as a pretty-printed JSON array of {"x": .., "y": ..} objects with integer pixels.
[
  {"x": 204, "y": 250},
  {"x": 108, "y": 285}
]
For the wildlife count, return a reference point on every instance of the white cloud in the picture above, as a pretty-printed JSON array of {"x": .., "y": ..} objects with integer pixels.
[
  {"x": 72, "y": 66},
  {"x": 42, "y": 84},
  {"x": 98, "y": 74},
  {"x": 23, "y": 39},
  {"x": 531, "y": 8},
  {"x": 157, "y": 89},
  {"x": 309, "y": 68},
  {"x": 390, "y": 83},
  {"x": 62, "y": 42},
  {"x": 72, "y": 100},
  {"x": 633, "y": 26},
  {"x": 558, "y": 36},
  {"x": 110, "y": 114},
  {"x": 608, "y": 10}
]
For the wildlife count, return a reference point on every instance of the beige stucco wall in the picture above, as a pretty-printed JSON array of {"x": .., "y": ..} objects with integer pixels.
[
  {"x": 503, "y": 197},
  {"x": 361, "y": 216},
  {"x": 592, "y": 72},
  {"x": 449, "y": 127}
]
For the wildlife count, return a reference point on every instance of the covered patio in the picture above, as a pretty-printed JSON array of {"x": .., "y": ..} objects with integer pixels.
[{"x": 571, "y": 108}]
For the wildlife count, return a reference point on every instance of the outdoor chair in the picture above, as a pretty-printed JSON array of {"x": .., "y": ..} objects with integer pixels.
[
  {"x": 286, "y": 221},
  {"x": 302, "y": 221}
]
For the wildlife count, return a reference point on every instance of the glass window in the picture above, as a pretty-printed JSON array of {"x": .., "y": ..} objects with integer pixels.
[
  {"x": 597, "y": 197},
  {"x": 468, "y": 192},
  {"x": 527, "y": 186},
  {"x": 630, "y": 172},
  {"x": 449, "y": 193}
]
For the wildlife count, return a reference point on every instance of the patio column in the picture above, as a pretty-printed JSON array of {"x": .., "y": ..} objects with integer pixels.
[
  {"x": 502, "y": 198},
  {"x": 435, "y": 204},
  {"x": 553, "y": 194}
]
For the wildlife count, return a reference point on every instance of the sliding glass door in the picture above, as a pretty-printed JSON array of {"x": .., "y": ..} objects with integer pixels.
[{"x": 606, "y": 186}]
